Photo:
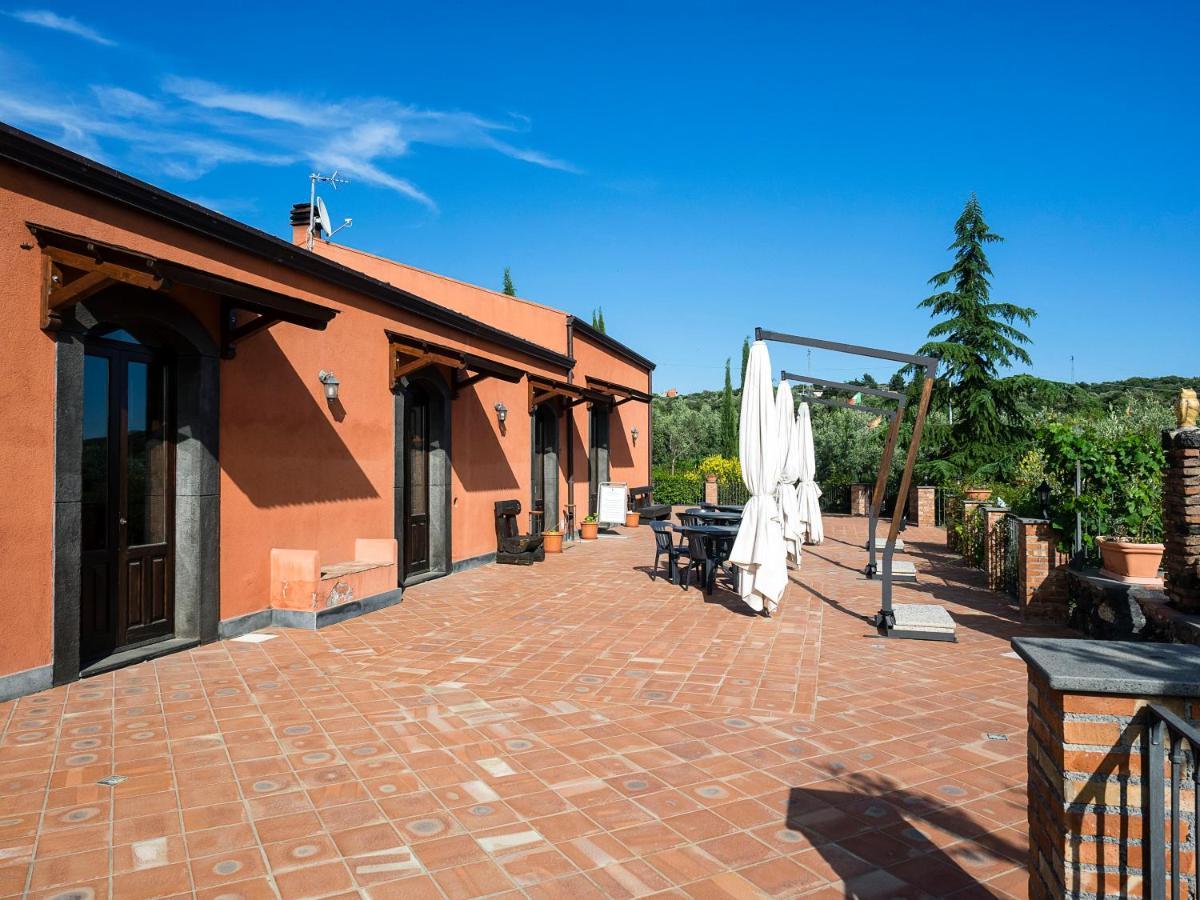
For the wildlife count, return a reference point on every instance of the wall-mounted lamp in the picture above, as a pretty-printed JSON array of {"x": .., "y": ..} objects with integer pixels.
[
  {"x": 634, "y": 433},
  {"x": 331, "y": 384},
  {"x": 501, "y": 413}
]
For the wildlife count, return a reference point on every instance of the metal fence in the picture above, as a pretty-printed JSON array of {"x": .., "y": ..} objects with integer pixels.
[
  {"x": 732, "y": 492},
  {"x": 1174, "y": 741},
  {"x": 974, "y": 537},
  {"x": 1008, "y": 539},
  {"x": 835, "y": 498},
  {"x": 939, "y": 507}
]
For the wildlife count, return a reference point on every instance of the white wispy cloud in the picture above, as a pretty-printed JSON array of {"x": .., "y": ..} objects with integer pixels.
[
  {"x": 191, "y": 126},
  {"x": 48, "y": 19}
]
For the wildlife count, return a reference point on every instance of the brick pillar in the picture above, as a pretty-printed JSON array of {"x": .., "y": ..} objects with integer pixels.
[
  {"x": 1041, "y": 572},
  {"x": 858, "y": 499},
  {"x": 922, "y": 500},
  {"x": 1181, "y": 518},
  {"x": 710, "y": 489},
  {"x": 993, "y": 546},
  {"x": 1086, "y": 762}
]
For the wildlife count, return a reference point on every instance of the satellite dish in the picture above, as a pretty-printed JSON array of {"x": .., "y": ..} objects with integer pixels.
[{"x": 321, "y": 221}]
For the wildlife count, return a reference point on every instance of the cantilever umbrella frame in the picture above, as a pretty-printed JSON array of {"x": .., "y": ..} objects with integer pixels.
[
  {"x": 885, "y": 619},
  {"x": 885, "y": 463}
]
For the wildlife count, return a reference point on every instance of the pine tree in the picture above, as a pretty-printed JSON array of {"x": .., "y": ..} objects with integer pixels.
[
  {"x": 729, "y": 422},
  {"x": 745, "y": 358},
  {"x": 508, "y": 285},
  {"x": 600, "y": 322},
  {"x": 976, "y": 338}
]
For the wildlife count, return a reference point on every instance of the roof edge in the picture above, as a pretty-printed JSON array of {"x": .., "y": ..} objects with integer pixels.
[
  {"x": 612, "y": 344},
  {"x": 56, "y": 162}
]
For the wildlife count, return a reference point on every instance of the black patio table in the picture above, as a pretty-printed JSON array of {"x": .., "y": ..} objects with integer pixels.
[
  {"x": 716, "y": 516},
  {"x": 718, "y": 541},
  {"x": 725, "y": 507}
]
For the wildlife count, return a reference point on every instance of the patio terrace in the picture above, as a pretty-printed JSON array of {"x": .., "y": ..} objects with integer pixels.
[{"x": 572, "y": 729}]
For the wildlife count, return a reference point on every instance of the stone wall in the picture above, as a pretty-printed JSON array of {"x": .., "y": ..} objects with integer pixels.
[{"x": 1181, "y": 518}]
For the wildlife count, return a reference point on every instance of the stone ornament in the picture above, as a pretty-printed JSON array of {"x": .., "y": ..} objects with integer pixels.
[{"x": 1187, "y": 408}]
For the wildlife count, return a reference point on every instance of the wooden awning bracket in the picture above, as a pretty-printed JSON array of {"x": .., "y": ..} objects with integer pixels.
[
  {"x": 233, "y": 333},
  {"x": 409, "y": 355},
  {"x": 542, "y": 390}
]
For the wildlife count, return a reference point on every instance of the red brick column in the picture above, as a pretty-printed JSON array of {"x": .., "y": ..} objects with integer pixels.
[
  {"x": 858, "y": 499},
  {"x": 1041, "y": 573},
  {"x": 710, "y": 489},
  {"x": 1086, "y": 764},
  {"x": 1181, "y": 518},
  {"x": 922, "y": 501},
  {"x": 993, "y": 546}
]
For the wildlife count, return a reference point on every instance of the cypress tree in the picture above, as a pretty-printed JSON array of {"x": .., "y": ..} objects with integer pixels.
[
  {"x": 729, "y": 424},
  {"x": 976, "y": 338},
  {"x": 745, "y": 359},
  {"x": 600, "y": 322},
  {"x": 508, "y": 284}
]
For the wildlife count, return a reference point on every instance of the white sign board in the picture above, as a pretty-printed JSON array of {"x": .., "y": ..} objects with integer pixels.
[{"x": 612, "y": 503}]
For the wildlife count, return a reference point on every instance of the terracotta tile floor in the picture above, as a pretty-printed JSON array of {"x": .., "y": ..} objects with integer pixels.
[{"x": 572, "y": 729}]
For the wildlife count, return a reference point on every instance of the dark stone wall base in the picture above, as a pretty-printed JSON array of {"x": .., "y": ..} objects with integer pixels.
[
  {"x": 1116, "y": 611},
  {"x": 310, "y": 620},
  {"x": 474, "y": 562},
  {"x": 30, "y": 681}
]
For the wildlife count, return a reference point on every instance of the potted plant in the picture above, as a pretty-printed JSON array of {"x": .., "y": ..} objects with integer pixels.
[
  {"x": 633, "y": 518},
  {"x": 552, "y": 540},
  {"x": 1128, "y": 554},
  {"x": 589, "y": 527}
]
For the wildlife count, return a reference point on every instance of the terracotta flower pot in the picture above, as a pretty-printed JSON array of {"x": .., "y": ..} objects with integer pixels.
[
  {"x": 587, "y": 530},
  {"x": 1131, "y": 563},
  {"x": 552, "y": 541},
  {"x": 633, "y": 519},
  {"x": 977, "y": 494}
]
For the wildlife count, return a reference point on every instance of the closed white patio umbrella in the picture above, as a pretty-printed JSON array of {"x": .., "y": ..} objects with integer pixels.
[
  {"x": 808, "y": 494},
  {"x": 759, "y": 551},
  {"x": 789, "y": 471}
]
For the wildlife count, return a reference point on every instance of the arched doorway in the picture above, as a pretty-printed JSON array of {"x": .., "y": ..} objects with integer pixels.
[
  {"x": 137, "y": 511},
  {"x": 422, "y": 471},
  {"x": 544, "y": 493}
]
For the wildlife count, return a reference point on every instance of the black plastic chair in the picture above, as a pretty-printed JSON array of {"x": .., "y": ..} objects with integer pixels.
[
  {"x": 664, "y": 542},
  {"x": 687, "y": 520},
  {"x": 698, "y": 560}
]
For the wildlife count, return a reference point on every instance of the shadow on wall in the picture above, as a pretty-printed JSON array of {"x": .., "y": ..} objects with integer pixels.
[
  {"x": 282, "y": 449},
  {"x": 477, "y": 454},
  {"x": 620, "y": 449},
  {"x": 880, "y": 838}
]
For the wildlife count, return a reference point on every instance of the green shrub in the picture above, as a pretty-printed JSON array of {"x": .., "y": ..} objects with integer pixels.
[{"x": 680, "y": 488}]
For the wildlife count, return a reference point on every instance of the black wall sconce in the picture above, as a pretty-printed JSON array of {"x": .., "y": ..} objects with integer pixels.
[
  {"x": 633, "y": 432},
  {"x": 1043, "y": 493},
  {"x": 501, "y": 413}
]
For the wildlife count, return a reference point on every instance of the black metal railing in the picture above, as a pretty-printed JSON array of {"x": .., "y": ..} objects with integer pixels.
[
  {"x": 732, "y": 492},
  {"x": 939, "y": 507},
  {"x": 974, "y": 536},
  {"x": 835, "y": 498},
  {"x": 1008, "y": 537},
  {"x": 1167, "y": 736}
]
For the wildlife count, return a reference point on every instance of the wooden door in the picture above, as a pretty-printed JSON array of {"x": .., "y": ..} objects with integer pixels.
[
  {"x": 128, "y": 498},
  {"x": 597, "y": 452},
  {"x": 416, "y": 487}
]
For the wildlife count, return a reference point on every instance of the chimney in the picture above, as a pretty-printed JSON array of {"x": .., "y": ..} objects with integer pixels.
[{"x": 300, "y": 212}]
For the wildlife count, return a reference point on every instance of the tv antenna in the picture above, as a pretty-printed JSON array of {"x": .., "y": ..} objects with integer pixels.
[{"x": 317, "y": 213}]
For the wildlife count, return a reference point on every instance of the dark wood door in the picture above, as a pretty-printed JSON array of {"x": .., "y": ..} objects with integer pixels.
[
  {"x": 416, "y": 487},
  {"x": 597, "y": 452},
  {"x": 128, "y": 499},
  {"x": 545, "y": 468}
]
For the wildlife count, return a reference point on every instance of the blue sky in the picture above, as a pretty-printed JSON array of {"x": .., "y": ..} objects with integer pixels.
[{"x": 696, "y": 169}]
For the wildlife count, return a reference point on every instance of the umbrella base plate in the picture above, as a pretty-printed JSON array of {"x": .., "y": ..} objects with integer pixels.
[
  {"x": 921, "y": 622},
  {"x": 880, "y": 543}
]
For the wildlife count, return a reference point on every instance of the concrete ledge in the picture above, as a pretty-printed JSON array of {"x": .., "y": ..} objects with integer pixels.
[
  {"x": 29, "y": 681},
  {"x": 239, "y": 625},
  {"x": 1114, "y": 667},
  {"x": 136, "y": 655}
]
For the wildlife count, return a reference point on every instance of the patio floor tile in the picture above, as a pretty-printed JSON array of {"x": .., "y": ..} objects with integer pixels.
[{"x": 573, "y": 729}]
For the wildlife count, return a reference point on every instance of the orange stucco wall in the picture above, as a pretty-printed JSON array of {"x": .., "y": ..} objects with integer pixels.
[{"x": 295, "y": 472}]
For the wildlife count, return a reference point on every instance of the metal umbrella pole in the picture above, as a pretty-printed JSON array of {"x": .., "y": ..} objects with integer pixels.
[
  {"x": 885, "y": 619},
  {"x": 885, "y": 463}
]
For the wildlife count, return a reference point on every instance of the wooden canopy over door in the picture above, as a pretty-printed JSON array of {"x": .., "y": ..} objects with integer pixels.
[{"x": 410, "y": 354}]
